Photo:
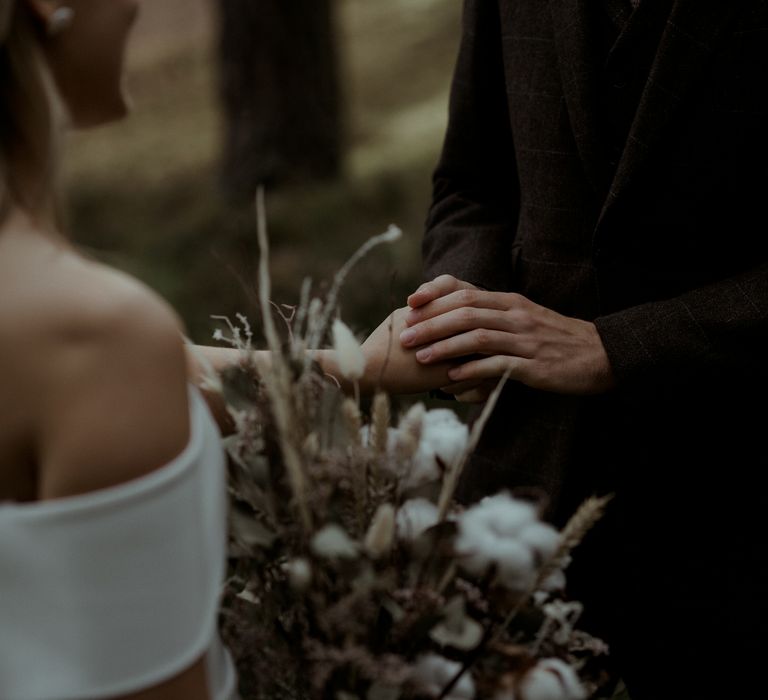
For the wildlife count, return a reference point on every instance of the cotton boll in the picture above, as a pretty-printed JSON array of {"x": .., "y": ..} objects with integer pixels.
[
  {"x": 433, "y": 673},
  {"x": 473, "y": 556},
  {"x": 299, "y": 573},
  {"x": 443, "y": 437},
  {"x": 515, "y": 564},
  {"x": 414, "y": 517},
  {"x": 551, "y": 679},
  {"x": 424, "y": 470},
  {"x": 539, "y": 684},
  {"x": 541, "y": 538},
  {"x": 421, "y": 438},
  {"x": 499, "y": 516},
  {"x": 332, "y": 542},
  {"x": 349, "y": 354},
  {"x": 503, "y": 532},
  {"x": 480, "y": 549},
  {"x": 570, "y": 681},
  {"x": 506, "y": 515},
  {"x": 473, "y": 545},
  {"x": 457, "y": 629}
]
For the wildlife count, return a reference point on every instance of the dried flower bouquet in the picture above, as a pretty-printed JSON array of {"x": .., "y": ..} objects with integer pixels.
[{"x": 354, "y": 573}]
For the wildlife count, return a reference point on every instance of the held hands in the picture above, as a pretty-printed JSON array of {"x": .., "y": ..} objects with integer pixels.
[
  {"x": 450, "y": 320},
  {"x": 456, "y": 336},
  {"x": 394, "y": 368}
]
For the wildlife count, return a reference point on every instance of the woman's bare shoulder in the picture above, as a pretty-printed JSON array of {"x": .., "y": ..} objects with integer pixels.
[
  {"x": 99, "y": 366},
  {"x": 49, "y": 290}
]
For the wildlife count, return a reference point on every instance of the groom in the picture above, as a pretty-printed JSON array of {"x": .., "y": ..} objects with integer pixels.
[{"x": 598, "y": 227}]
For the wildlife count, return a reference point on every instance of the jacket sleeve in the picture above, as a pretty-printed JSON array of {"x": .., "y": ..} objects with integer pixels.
[
  {"x": 717, "y": 330},
  {"x": 473, "y": 216}
]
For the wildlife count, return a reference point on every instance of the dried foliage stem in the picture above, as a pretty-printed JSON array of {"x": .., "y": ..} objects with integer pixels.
[
  {"x": 456, "y": 469},
  {"x": 380, "y": 420},
  {"x": 301, "y": 314},
  {"x": 278, "y": 382},
  {"x": 389, "y": 236}
]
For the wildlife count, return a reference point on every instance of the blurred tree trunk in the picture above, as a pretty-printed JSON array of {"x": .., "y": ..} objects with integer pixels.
[{"x": 280, "y": 92}]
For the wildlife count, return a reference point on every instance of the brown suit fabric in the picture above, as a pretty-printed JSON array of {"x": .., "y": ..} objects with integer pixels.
[{"x": 621, "y": 180}]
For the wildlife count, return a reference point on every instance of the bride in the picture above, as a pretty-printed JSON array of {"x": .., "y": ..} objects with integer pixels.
[{"x": 112, "y": 493}]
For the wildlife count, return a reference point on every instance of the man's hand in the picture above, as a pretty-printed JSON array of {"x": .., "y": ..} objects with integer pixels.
[{"x": 451, "y": 319}]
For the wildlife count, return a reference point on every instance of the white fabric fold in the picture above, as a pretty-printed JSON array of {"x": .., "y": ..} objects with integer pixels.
[{"x": 114, "y": 591}]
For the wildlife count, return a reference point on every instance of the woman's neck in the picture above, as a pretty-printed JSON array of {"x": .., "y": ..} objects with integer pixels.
[
  {"x": 41, "y": 222},
  {"x": 22, "y": 232}
]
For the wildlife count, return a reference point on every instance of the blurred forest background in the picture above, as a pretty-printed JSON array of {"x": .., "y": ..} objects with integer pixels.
[{"x": 152, "y": 195}]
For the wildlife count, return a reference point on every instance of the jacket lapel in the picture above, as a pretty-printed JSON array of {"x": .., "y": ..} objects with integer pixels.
[
  {"x": 689, "y": 38},
  {"x": 577, "y": 48}
]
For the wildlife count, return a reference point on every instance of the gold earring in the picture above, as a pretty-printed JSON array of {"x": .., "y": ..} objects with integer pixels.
[{"x": 60, "y": 19}]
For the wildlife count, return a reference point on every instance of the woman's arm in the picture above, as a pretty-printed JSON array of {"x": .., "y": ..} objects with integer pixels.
[{"x": 389, "y": 366}]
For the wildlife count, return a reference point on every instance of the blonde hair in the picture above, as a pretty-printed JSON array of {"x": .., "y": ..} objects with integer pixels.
[{"x": 27, "y": 117}]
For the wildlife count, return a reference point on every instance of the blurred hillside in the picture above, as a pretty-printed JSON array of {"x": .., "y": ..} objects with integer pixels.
[{"x": 144, "y": 193}]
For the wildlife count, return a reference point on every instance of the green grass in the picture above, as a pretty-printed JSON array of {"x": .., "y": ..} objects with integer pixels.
[{"x": 144, "y": 193}]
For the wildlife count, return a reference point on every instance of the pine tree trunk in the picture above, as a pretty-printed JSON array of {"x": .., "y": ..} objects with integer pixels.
[{"x": 280, "y": 92}]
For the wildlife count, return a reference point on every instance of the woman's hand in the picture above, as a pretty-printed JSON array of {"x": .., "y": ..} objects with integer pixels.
[
  {"x": 451, "y": 319},
  {"x": 395, "y": 369}
]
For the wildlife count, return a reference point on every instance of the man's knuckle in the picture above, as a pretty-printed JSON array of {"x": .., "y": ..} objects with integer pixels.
[
  {"x": 482, "y": 338},
  {"x": 533, "y": 347},
  {"x": 542, "y": 371},
  {"x": 524, "y": 319}
]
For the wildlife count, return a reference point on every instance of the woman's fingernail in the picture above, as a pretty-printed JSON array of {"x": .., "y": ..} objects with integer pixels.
[
  {"x": 423, "y": 355},
  {"x": 407, "y": 336},
  {"x": 455, "y": 373}
]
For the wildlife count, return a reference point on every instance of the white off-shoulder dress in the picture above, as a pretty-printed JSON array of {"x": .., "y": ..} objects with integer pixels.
[{"x": 117, "y": 590}]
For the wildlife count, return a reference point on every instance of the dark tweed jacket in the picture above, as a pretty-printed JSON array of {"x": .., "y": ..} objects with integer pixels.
[{"x": 663, "y": 243}]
